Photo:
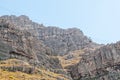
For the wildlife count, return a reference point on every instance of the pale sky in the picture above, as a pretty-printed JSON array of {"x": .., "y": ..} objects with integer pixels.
[{"x": 98, "y": 19}]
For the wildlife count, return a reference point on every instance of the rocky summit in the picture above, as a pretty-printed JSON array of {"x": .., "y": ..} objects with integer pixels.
[{"x": 32, "y": 51}]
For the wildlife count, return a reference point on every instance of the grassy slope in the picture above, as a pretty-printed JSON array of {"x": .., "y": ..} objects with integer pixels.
[
  {"x": 76, "y": 57},
  {"x": 17, "y": 75},
  {"x": 74, "y": 60}
]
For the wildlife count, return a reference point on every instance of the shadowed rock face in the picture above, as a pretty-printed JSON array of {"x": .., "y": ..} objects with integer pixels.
[
  {"x": 61, "y": 41},
  {"x": 102, "y": 64}
]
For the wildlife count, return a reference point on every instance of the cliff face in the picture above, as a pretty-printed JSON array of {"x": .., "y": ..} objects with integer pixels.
[
  {"x": 36, "y": 44},
  {"x": 101, "y": 64},
  {"x": 61, "y": 41},
  {"x": 17, "y": 43},
  {"x": 20, "y": 44}
]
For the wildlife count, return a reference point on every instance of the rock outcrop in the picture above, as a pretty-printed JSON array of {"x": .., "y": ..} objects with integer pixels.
[
  {"x": 20, "y": 44},
  {"x": 25, "y": 40},
  {"x": 101, "y": 64},
  {"x": 61, "y": 41}
]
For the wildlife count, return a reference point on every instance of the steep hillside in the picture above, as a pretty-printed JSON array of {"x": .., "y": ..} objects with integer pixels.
[
  {"x": 101, "y": 64},
  {"x": 74, "y": 57},
  {"x": 37, "y": 52},
  {"x": 14, "y": 69},
  {"x": 19, "y": 44},
  {"x": 61, "y": 41}
]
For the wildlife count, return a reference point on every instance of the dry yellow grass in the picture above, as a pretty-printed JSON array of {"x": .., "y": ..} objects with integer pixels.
[
  {"x": 76, "y": 58},
  {"x": 12, "y": 62},
  {"x": 6, "y": 75},
  {"x": 43, "y": 75}
]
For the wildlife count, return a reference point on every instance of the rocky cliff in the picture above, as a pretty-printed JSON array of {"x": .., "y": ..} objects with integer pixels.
[
  {"x": 61, "y": 41},
  {"x": 20, "y": 44},
  {"x": 38, "y": 45},
  {"x": 101, "y": 64},
  {"x": 16, "y": 43}
]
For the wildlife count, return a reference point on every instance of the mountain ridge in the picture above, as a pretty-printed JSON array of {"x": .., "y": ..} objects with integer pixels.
[
  {"x": 61, "y": 41},
  {"x": 29, "y": 47}
]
